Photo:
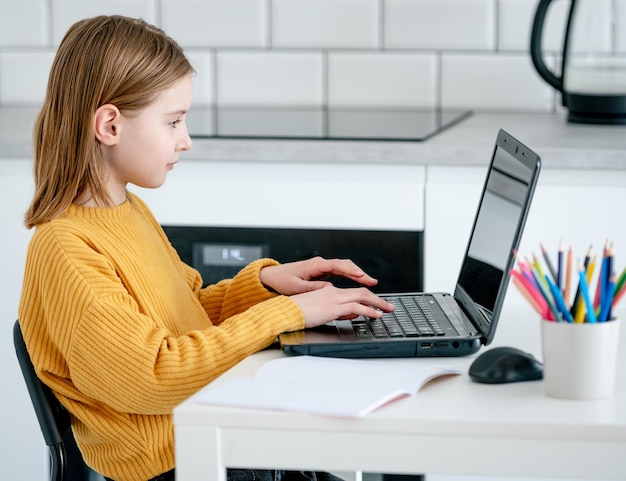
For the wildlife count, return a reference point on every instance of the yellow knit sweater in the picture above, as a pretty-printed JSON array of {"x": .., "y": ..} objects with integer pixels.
[{"x": 122, "y": 331}]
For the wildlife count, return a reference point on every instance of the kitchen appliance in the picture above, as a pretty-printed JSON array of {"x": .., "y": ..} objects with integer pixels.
[
  {"x": 395, "y": 258},
  {"x": 593, "y": 74},
  {"x": 336, "y": 123}
]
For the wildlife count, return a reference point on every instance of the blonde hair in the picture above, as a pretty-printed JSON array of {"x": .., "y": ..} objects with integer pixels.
[{"x": 107, "y": 59}]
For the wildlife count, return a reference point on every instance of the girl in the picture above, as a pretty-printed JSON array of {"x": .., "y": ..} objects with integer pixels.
[{"x": 115, "y": 323}]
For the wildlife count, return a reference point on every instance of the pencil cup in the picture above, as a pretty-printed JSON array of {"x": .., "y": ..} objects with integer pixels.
[{"x": 579, "y": 360}]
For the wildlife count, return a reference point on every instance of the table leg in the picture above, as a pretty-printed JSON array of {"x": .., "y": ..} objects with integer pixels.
[{"x": 198, "y": 455}]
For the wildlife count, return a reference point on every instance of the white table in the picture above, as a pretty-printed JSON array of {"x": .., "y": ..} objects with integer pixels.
[{"x": 452, "y": 426}]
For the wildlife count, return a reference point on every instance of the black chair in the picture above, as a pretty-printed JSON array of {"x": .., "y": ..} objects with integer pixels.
[{"x": 66, "y": 461}]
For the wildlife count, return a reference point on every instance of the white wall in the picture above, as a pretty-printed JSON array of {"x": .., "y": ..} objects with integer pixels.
[{"x": 317, "y": 52}]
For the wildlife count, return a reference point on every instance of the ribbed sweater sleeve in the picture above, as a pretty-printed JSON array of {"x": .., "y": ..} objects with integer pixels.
[{"x": 122, "y": 331}]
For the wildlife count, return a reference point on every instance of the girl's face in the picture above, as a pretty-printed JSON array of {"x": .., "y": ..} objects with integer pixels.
[{"x": 149, "y": 141}]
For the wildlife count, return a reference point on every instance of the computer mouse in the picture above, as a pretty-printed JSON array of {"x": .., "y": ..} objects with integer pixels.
[{"x": 505, "y": 364}]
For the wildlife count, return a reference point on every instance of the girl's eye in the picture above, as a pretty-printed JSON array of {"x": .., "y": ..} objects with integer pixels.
[{"x": 175, "y": 123}]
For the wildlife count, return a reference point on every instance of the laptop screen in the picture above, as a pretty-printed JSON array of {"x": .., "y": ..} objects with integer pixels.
[{"x": 498, "y": 226}]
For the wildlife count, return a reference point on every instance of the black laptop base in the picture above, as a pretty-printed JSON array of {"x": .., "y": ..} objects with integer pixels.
[{"x": 424, "y": 347}]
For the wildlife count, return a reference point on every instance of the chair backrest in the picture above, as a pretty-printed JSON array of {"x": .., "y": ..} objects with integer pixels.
[{"x": 66, "y": 462}]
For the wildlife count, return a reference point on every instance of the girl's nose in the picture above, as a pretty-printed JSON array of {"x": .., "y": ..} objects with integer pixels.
[{"x": 185, "y": 142}]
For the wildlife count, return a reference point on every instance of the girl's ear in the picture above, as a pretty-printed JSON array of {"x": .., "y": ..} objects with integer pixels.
[{"x": 107, "y": 120}]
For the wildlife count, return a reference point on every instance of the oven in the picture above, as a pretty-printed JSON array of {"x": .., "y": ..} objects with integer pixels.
[{"x": 395, "y": 258}]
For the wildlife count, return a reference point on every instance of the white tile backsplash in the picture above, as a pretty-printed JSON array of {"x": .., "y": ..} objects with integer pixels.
[
  {"x": 23, "y": 24},
  {"x": 66, "y": 12},
  {"x": 440, "y": 24},
  {"x": 382, "y": 79},
  {"x": 515, "y": 19},
  {"x": 216, "y": 23},
  {"x": 30, "y": 85},
  {"x": 325, "y": 23},
  {"x": 269, "y": 78},
  {"x": 514, "y": 24},
  {"x": 454, "y": 53},
  {"x": 203, "y": 80},
  {"x": 493, "y": 82}
]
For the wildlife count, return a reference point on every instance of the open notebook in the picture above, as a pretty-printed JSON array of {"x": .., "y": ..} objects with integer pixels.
[{"x": 443, "y": 324}]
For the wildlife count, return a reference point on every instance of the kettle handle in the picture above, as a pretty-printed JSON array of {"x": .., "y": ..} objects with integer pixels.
[{"x": 535, "y": 47}]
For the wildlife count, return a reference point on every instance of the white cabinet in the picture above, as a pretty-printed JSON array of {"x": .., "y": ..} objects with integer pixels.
[{"x": 274, "y": 194}]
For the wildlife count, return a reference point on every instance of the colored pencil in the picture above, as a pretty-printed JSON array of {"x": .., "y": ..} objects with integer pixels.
[
  {"x": 529, "y": 289},
  {"x": 580, "y": 310},
  {"x": 546, "y": 257},
  {"x": 556, "y": 296},
  {"x": 537, "y": 267},
  {"x": 558, "y": 300},
  {"x": 576, "y": 304},
  {"x": 568, "y": 278},
  {"x": 618, "y": 296},
  {"x": 524, "y": 268},
  {"x": 529, "y": 297},
  {"x": 609, "y": 290},
  {"x": 559, "y": 267},
  {"x": 602, "y": 277},
  {"x": 584, "y": 292},
  {"x": 591, "y": 268},
  {"x": 605, "y": 310},
  {"x": 547, "y": 296},
  {"x": 620, "y": 280}
]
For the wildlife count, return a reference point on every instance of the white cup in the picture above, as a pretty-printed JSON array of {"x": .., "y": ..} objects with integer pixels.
[{"x": 579, "y": 360}]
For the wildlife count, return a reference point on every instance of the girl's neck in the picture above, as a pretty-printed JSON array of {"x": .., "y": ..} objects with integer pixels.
[{"x": 86, "y": 199}]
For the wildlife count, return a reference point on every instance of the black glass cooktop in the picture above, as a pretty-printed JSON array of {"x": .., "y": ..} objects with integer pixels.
[{"x": 324, "y": 124}]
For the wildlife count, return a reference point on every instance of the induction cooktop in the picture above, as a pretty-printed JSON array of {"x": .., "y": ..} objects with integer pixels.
[{"x": 321, "y": 123}]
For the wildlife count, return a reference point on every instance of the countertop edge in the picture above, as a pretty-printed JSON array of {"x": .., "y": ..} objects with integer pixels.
[{"x": 469, "y": 142}]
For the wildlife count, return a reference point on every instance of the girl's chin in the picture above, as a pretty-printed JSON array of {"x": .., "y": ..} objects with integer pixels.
[{"x": 155, "y": 184}]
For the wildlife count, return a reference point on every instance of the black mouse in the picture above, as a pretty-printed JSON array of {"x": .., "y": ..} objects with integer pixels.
[{"x": 505, "y": 364}]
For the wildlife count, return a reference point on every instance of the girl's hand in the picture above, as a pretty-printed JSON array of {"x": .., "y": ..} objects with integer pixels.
[
  {"x": 305, "y": 276},
  {"x": 320, "y": 301},
  {"x": 330, "y": 303}
]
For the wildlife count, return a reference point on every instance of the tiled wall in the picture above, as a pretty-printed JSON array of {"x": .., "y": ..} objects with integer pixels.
[{"x": 414, "y": 53}]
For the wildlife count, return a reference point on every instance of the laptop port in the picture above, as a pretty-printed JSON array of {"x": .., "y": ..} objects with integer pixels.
[{"x": 426, "y": 345}]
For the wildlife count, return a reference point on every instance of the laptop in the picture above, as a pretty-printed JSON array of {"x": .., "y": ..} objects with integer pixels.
[{"x": 444, "y": 324}]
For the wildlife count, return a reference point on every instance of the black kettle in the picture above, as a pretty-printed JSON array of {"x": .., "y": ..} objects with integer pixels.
[{"x": 593, "y": 78}]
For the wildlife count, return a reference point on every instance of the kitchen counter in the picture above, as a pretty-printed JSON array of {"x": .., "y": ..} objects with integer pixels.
[{"x": 559, "y": 143}]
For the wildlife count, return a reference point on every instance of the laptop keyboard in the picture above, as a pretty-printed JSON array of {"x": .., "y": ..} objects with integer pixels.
[{"x": 411, "y": 318}]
